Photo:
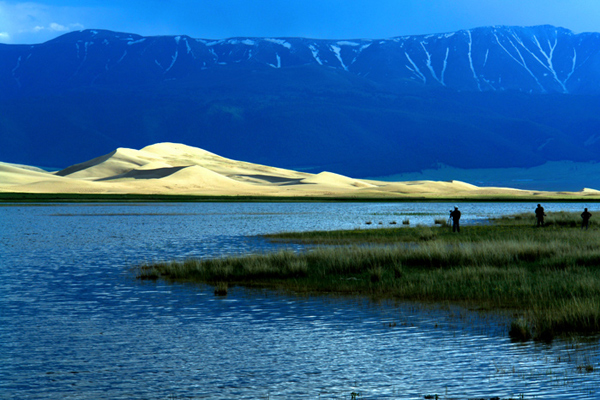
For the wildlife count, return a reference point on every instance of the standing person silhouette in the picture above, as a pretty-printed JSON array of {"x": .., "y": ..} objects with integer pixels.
[
  {"x": 586, "y": 215},
  {"x": 455, "y": 215},
  {"x": 539, "y": 215}
]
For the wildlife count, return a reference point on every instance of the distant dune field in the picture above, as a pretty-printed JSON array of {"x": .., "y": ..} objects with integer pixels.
[{"x": 171, "y": 168}]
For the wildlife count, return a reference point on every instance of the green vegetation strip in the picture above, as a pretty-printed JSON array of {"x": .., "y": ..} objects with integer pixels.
[
  {"x": 548, "y": 277},
  {"x": 10, "y": 197}
]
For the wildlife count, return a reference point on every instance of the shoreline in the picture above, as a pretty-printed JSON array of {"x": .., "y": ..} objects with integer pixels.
[{"x": 16, "y": 197}]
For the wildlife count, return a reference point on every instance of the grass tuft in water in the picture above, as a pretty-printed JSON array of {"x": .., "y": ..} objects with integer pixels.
[
  {"x": 520, "y": 330},
  {"x": 585, "y": 368},
  {"x": 221, "y": 289}
]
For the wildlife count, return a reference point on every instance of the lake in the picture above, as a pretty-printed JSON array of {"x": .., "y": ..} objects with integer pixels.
[{"x": 76, "y": 324}]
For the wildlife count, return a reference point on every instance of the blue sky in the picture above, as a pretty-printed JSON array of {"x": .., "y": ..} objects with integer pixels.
[{"x": 41, "y": 20}]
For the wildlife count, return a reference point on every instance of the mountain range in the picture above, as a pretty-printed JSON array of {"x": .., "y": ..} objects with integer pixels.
[{"x": 480, "y": 99}]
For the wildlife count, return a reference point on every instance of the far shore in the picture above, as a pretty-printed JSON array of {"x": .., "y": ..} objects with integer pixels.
[{"x": 186, "y": 198}]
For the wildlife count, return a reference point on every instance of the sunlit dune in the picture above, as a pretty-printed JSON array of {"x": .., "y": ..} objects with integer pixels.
[
  {"x": 172, "y": 168},
  {"x": 13, "y": 175},
  {"x": 331, "y": 179},
  {"x": 180, "y": 154},
  {"x": 118, "y": 162},
  {"x": 589, "y": 191},
  {"x": 427, "y": 187}
]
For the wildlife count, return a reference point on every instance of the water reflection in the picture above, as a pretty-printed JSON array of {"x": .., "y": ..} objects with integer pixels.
[{"x": 75, "y": 323}]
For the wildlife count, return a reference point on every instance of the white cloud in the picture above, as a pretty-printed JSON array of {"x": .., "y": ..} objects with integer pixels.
[
  {"x": 30, "y": 22},
  {"x": 58, "y": 27},
  {"x": 76, "y": 27}
]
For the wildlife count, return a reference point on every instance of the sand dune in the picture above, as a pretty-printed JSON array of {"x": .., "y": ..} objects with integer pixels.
[
  {"x": 329, "y": 178},
  {"x": 10, "y": 174},
  {"x": 424, "y": 187},
  {"x": 203, "y": 177},
  {"x": 21, "y": 166},
  {"x": 589, "y": 191},
  {"x": 180, "y": 154},
  {"x": 118, "y": 162},
  {"x": 145, "y": 172},
  {"x": 172, "y": 168},
  {"x": 154, "y": 165}
]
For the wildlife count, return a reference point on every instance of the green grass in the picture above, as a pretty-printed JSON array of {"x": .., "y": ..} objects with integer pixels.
[
  {"x": 178, "y": 198},
  {"x": 548, "y": 277},
  {"x": 16, "y": 197}
]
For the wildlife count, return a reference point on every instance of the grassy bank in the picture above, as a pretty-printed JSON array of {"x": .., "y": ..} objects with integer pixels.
[{"x": 549, "y": 277}]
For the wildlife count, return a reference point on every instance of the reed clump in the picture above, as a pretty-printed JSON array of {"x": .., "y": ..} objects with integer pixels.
[
  {"x": 441, "y": 222},
  {"x": 221, "y": 289},
  {"x": 549, "y": 277},
  {"x": 520, "y": 330}
]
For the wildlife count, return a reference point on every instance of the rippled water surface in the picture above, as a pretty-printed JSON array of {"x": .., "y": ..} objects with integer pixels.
[{"x": 76, "y": 324}]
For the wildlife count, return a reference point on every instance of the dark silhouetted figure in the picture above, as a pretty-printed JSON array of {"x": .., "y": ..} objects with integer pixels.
[
  {"x": 455, "y": 215},
  {"x": 586, "y": 215},
  {"x": 539, "y": 215}
]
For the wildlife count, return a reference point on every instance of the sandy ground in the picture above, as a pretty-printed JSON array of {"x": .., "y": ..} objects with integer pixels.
[
  {"x": 171, "y": 168},
  {"x": 552, "y": 175}
]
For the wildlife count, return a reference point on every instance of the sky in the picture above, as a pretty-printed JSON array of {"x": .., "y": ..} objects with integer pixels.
[{"x": 30, "y": 22}]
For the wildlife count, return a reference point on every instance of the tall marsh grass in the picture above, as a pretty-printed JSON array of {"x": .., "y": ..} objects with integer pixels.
[{"x": 549, "y": 276}]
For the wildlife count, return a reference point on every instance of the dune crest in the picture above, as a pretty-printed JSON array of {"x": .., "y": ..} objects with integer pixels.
[
  {"x": 590, "y": 191},
  {"x": 174, "y": 168},
  {"x": 118, "y": 162},
  {"x": 11, "y": 174}
]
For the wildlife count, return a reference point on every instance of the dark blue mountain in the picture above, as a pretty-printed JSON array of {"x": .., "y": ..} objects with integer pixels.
[
  {"x": 493, "y": 97},
  {"x": 541, "y": 59}
]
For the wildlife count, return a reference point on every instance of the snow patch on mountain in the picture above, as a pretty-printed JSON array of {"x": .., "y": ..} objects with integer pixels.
[
  {"x": 338, "y": 54},
  {"x": 131, "y": 42},
  {"x": 315, "y": 53},
  {"x": 280, "y": 42}
]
